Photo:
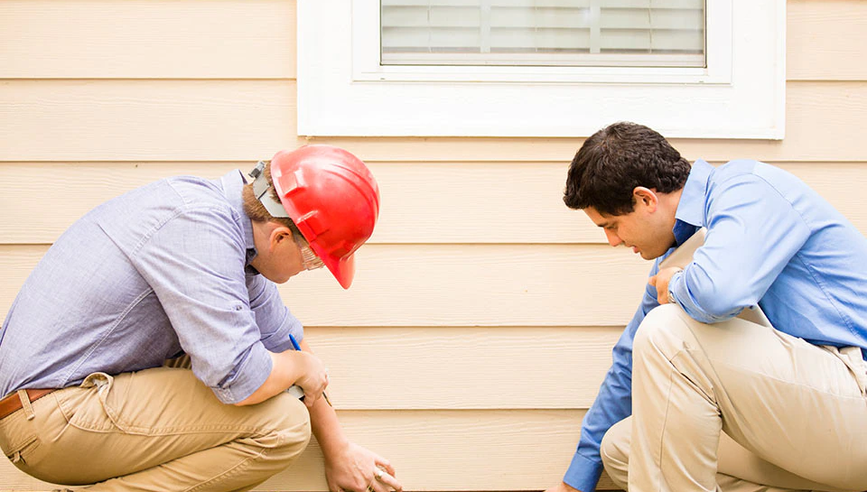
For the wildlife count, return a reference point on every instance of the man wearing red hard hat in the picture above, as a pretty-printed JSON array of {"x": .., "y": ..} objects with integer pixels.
[{"x": 187, "y": 267}]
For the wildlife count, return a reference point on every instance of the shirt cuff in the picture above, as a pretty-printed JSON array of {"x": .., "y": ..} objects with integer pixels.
[
  {"x": 583, "y": 473},
  {"x": 249, "y": 376}
]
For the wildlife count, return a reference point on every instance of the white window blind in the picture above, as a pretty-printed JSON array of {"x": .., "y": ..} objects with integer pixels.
[{"x": 665, "y": 33}]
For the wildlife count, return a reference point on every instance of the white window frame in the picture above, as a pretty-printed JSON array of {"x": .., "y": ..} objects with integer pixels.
[{"x": 344, "y": 91}]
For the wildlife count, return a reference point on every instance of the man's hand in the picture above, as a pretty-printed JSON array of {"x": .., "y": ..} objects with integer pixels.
[
  {"x": 314, "y": 377},
  {"x": 562, "y": 487},
  {"x": 661, "y": 280},
  {"x": 356, "y": 469}
]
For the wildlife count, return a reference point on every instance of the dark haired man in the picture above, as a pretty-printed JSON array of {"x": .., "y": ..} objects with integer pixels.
[
  {"x": 697, "y": 399},
  {"x": 187, "y": 266}
]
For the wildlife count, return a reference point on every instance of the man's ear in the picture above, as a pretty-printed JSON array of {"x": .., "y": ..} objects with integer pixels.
[
  {"x": 646, "y": 197},
  {"x": 279, "y": 235}
]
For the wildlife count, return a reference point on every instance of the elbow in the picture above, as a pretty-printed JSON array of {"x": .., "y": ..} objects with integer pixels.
[
  {"x": 718, "y": 306},
  {"x": 258, "y": 396},
  {"x": 262, "y": 393}
]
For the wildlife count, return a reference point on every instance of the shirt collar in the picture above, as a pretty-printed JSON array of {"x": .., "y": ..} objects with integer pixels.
[
  {"x": 233, "y": 188},
  {"x": 690, "y": 208}
]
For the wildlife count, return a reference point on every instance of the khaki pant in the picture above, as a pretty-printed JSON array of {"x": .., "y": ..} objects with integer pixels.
[
  {"x": 156, "y": 430},
  {"x": 736, "y": 406}
]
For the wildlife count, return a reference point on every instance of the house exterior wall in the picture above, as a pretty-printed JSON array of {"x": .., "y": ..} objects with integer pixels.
[{"x": 481, "y": 321}]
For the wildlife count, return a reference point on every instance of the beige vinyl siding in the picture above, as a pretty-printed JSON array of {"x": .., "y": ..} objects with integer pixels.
[
  {"x": 825, "y": 40},
  {"x": 147, "y": 39},
  {"x": 483, "y": 313}
]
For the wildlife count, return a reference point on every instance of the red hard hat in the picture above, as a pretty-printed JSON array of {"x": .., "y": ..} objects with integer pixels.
[{"x": 333, "y": 198}]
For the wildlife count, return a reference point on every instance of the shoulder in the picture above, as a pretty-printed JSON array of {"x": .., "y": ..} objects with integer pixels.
[
  {"x": 201, "y": 199},
  {"x": 198, "y": 192},
  {"x": 743, "y": 169},
  {"x": 177, "y": 209},
  {"x": 757, "y": 175}
]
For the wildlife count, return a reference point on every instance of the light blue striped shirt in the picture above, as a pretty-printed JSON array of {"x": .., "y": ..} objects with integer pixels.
[
  {"x": 158, "y": 271},
  {"x": 771, "y": 241}
]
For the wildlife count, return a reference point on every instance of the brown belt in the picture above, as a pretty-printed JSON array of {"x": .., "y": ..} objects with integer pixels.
[{"x": 12, "y": 403}]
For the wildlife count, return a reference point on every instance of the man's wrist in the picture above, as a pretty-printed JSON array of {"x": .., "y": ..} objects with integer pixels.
[
  {"x": 568, "y": 488},
  {"x": 669, "y": 287}
]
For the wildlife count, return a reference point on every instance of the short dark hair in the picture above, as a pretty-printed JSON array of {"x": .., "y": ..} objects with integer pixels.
[{"x": 615, "y": 160}]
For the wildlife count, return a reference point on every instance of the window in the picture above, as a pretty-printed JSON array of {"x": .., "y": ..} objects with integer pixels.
[
  {"x": 657, "y": 33},
  {"x": 548, "y": 68}
]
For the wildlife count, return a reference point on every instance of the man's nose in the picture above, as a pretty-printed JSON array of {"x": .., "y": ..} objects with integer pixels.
[{"x": 613, "y": 239}]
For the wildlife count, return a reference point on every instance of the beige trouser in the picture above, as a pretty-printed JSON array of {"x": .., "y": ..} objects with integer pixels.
[
  {"x": 156, "y": 430},
  {"x": 736, "y": 406}
]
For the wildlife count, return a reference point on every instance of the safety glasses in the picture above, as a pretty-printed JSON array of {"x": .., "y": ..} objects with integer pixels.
[{"x": 308, "y": 258}]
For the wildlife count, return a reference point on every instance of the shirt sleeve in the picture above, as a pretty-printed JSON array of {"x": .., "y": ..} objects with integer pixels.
[
  {"x": 612, "y": 404},
  {"x": 752, "y": 234},
  {"x": 195, "y": 264},
  {"x": 273, "y": 318}
]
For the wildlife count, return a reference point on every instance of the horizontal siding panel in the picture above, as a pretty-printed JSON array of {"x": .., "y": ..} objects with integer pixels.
[
  {"x": 486, "y": 368},
  {"x": 244, "y": 120},
  {"x": 823, "y": 40},
  {"x": 145, "y": 119},
  {"x": 447, "y": 285},
  {"x": 472, "y": 450},
  {"x": 493, "y": 202},
  {"x": 95, "y": 39},
  {"x": 435, "y": 451}
]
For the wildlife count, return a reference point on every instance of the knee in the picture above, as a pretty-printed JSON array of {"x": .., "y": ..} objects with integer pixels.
[
  {"x": 614, "y": 451},
  {"x": 662, "y": 330},
  {"x": 611, "y": 450},
  {"x": 286, "y": 427},
  {"x": 295, "y": 424},
  {"x": 614, "y": 448}
]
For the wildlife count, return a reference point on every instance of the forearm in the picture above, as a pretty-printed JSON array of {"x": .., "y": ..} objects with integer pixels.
[
  {"x": 323, "y": 420},
  {"x": 326, "y": 428}
]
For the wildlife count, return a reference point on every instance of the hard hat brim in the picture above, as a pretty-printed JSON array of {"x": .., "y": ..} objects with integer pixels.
[{"x": 343, "y": 269}]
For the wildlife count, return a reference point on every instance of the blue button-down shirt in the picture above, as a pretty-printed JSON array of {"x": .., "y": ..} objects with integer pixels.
[
  {"x": 158, "y": 271},
  {"x": 771, "y": 241}
]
